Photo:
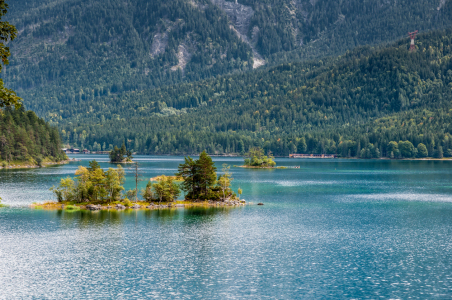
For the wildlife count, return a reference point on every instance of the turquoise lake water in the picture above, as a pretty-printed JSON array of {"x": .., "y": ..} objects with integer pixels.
[{"x": 331, "y": 229}]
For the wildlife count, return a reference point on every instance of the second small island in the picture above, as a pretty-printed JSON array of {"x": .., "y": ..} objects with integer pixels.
[{"x": 255, "y": 159}]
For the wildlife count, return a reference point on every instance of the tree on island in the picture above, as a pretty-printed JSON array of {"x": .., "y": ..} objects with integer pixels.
[
  {"x": 224, "y": 181},
  {"x": 188, "y": 171},
  {"x": 120, "y": 155},
  {"x": 148, "y": 193},
  {"x": 200, "y": 179},
  {"x": 256, "y": 158},
  {"x": 166, "y": 189},
  {"x": 206, "y": 172},
  {"x": 92, "y": 184}
]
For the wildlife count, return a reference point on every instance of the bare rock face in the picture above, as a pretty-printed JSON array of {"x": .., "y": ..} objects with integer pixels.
[
  {"x": 240, "y": 17},
  {"x": 159, "y": 43},
  {"x": 183, "y": 55}
]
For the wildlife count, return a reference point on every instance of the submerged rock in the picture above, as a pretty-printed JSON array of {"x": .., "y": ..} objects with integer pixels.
[{"x": 260, "y": 204}]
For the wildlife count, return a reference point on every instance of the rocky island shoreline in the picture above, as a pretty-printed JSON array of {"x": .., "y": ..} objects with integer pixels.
[{"x": 138, "y": 205}]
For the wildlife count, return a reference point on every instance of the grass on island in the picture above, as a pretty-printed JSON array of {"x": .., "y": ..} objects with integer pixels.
[
  {"x": 175, "y": 178},
  {"x": 75, "y": 206},
  {"x": 257, "y": 167}
]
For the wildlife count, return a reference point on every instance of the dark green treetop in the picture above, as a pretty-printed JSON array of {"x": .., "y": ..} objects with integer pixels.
[
  {"x": 117, "y": 154},
  {"x": 7, "y": 33},
  {"x": 207, "y": 172},
  {"x": 199, "y": 176}
]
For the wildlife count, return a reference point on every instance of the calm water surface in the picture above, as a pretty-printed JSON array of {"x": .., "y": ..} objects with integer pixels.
[{"x": 331, "y": 229}]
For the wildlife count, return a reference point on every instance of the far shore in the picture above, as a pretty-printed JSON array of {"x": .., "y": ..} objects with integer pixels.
[
  {"x": 27, "y": 165},
  {"x": 233, "y": 155}
]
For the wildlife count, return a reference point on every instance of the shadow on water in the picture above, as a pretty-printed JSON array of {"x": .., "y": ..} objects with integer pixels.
[{"x": 113, "y": 217}]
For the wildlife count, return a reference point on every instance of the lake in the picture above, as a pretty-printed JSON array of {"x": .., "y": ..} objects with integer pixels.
[{"x": 331, "y": 229}]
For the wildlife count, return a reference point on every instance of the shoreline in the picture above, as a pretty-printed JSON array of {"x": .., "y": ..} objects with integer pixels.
[
  {"x": 140, "y": 205},
  {"x": 255, "y": 167},
  {"x": 26, "y": 165}
]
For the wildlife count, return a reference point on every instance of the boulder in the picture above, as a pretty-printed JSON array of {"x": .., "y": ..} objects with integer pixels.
[
  {"x": 180, "y": 205},
  {"x": 120, "y": 206},
  {"x": 136, "y": 206}
]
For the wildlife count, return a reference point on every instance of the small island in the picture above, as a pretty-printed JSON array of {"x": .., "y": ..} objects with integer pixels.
[
  {"x": 120, "y": 155},
  {"x": 255, "y": 159},
  {"x": 96, "y": 189}
]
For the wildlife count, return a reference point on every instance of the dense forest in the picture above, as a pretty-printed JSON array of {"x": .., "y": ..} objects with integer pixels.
[
  {"x": 25, "y": 137},
  {"x": 69, "y": 52},
  {"x": 364, "y": 99},
  {"x": 176, "y": 76}
]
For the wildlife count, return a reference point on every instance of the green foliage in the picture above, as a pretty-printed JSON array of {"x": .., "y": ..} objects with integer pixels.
[
  {"x": 256, "y": 158},
  {"x": 7, "y": 33},
  {"x": 206, "y": 172},
  {"x": 200, "y": 178},
  {"x": 224, "y": 181},
  {"x": 114, "y": 181},
  {"x": 422, "y": 150},
  {"x": 66, "y": 190},
  {"x": 337, "y": 106},
  {"x": 75, "y": 51},
  {"x": 25, "y": 137},
  {"x": 407, "y": 149},
  {"x": 136, "y": 44},
  {"x": 118, "y": 155},
  {"x": 166, "y": 189},
  {"x": 148, "y": 193},
  {"x": 92, "y": 185}
]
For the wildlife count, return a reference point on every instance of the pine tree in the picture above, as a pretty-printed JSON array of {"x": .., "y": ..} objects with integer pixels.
[{"x": 206, "y": 171}]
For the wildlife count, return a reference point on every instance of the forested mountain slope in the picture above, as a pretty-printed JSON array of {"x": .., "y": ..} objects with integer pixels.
[
  {"x": 69, "y": 52},
  {"x": 72, "y": 50},
  {"x": 347, "y": 99}
]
